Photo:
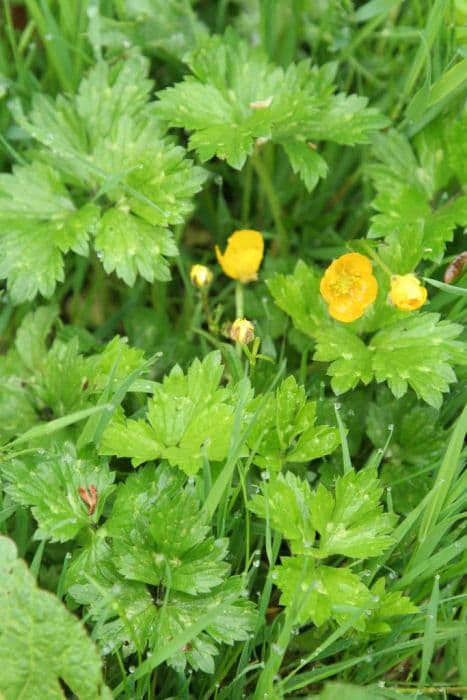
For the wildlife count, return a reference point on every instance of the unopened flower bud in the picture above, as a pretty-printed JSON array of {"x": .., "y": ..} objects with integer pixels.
[
  {"x": 242, "y": 331},
  {"x": 200, "y": 275},
  {"x": 407, "y": 293}
]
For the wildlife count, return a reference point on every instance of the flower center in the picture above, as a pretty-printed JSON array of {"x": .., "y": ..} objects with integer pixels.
[{"x": 344, "y": 284}]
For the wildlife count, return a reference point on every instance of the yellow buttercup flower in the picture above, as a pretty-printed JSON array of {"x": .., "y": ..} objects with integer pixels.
[
  {"x": 200, "y": 275},
  {"x": 349, "y": 287},
  {"x": 243, "y": 255},
  {"x": 407, "y": 293},
  {"x": 243, "y": 331}
]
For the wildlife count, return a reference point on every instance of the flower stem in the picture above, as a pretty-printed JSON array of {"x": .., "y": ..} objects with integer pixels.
[
  {"x": 268, "y": 188},
  {"x": 239, "y": 300},
  {"x": 239, "y": 309},
  {"x": 206, "y": 308},
  {"x": 373, "y": 254}
]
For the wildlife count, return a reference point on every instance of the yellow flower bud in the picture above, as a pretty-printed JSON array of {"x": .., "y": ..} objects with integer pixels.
[
  {"x": 243, "y": 256},
  {"x": 407, "y": 293},
  {"x": 242, "y": 331},
  {"x": 200, "y": 275}
]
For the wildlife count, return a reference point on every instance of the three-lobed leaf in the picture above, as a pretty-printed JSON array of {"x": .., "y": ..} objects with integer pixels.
[{"x": 179, "y": 426}]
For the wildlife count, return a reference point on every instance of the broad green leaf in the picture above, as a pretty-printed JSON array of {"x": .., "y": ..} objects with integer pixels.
[
  {"x": 166, "y": 543},
  {"x": 156, "y": 570},
  {"x": 415, "y": 219},
  {"x": 351, "y": 522},
  {"x": 38, "y": 223},
  {"x": 50, "y": 484},
  {"x": 234, "y": 621},
  {"x": 226, "y": 110},
  {"x": 180, "y": 427},
  {"x": 42, "y": 645},
  {"x": 128, "y": 246},
  {"x": 103, "y": 144}
]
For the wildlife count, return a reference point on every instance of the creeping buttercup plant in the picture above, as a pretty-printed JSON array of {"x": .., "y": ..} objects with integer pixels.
[{"x": 233, "y": 357}]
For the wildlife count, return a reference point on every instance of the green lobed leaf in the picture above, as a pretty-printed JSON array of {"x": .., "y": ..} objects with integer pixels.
[
  {"x": 285, "y": 430},
  {"x": 298, "y": 295},
  {"x": 414, "y": 218},
  {"x": 164, "y": 539},
  {"x": 418, "y": 352},
  {"x": 41, "y": 644},
  {"x": 129, "y": 246},
  {"x": 38, "y": 223},
  {"x": 322, "y": 592},
  {"x": 104, "y": 144},
  {"x": 156, "y": 570},
  {"x": 180, "y": 426},
  {"x": 226, "y": 111},
  {"x": 352, "y": 521},
  {"x": 286, "y": 503},
  {"x": 50, "y": 484}
]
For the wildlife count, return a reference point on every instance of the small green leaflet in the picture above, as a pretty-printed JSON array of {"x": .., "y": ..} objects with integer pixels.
[
  {"x": 418, "y": 352},
  {"x": 226, "y": 110},
  {"x": 285, "y": 430},
  {"x": 50, "y": 484},
  {"x": 298, "y": 295},
  {"x": 386, "y": 604},
  {"x": 179, "y": 424},
  {"x": 322, "y": 593},
  {"x": 352, "y": 521},
  {"x": 41, "y": 643}
]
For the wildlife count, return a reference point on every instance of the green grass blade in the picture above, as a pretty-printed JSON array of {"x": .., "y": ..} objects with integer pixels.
[
  {"x": 430, "y": 631},
  {"x": 445, "y": 477},
  {"x": 45, "y": 429}
]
